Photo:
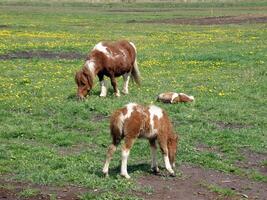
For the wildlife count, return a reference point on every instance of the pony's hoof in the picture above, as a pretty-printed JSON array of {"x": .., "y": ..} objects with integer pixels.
[
  {"x": 126, "y": 176},
  {"x": 172, "y": 175},
  {"x": 105, "y": 173},
  {"x": 124, "y": 92},
  {"x": 155, "y": 170},
  {"x": 117, "y": 94}
]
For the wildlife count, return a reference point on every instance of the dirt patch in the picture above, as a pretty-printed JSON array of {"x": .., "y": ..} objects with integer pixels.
[
  {"x": 140, "y": 10},
  {"x": 8, "y": 194},
  {"x": 75, "y": 149},
  {"x": 241, "y": 19},
  {"x": 99, "y": 118},
  {"x": 172, "y": 188},
  {"x": 253, "y": 160},
  {"x": 10, "y": 190},
  {"x": 204, "y": 148},
  {"x": 42, "y": 54},
  {"x": 4, "y": 26},
  {"x": 229, "y": 125},
  {"x": 194, "y": 185}
]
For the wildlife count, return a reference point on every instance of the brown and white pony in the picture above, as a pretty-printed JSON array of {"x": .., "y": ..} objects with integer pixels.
[
  {"x": 173, "y": 97},
  {"x": 136, "y": 121},
  {"x": 110, "y": 59}
]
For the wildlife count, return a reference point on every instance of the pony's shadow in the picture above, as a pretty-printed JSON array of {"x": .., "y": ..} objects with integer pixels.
[
  {"x": 113, "y": 172},
  {"x": 72, "y": 97},
  {"x": 141, "y": 167}
]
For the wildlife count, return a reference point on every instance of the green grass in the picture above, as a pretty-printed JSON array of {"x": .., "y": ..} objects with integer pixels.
[
  {"x": 47, "y": 137},
  {"x": 223, "y": 192},
  {"x": 29, "y": 192}
]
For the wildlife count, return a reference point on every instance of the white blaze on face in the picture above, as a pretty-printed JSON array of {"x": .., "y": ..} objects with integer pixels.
[
  {"x": 122, "y": 117},
  {"x": 100, "y": 47},
  {"x": 91, "y": 66},
  {"x": 154, "y": 111}
]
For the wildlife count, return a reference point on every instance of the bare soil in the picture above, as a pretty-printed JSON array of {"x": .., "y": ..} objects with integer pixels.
[
  {"x": 99, "y": 118},
  {"x": 41, "y": 54},
  {"x": 10, "y": 190},
  {"x": 139, "y": 10},
  {"x": 253, "y": 161},
  {"x": 229, "y": 125},
  {"x": 195, "y": 182},
  {"x": 240, "y": 19}
]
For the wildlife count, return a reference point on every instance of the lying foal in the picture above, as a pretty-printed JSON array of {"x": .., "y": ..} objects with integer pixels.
[
  {"x": 135, "y": 121},
  {"x": 172, "y": 97}
]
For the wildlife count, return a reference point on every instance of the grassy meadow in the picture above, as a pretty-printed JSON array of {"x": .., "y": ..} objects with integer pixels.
[{"x": 47, "y": 137}]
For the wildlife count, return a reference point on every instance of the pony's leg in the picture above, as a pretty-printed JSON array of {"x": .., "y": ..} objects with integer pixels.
[
  {"x": 114, "y": 85},
  {"x": 163, "y": 146},
  {"x": 153, "y": 148},
  {"x": 126, "y": 78},
  {"x": 102, "y": 86},
  {"x": 125, "y": 151},
  {"x": 110, "y": 152}
]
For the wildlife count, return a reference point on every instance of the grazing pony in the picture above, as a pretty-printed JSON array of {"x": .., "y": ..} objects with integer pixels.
[
  {"x": 135, "y": 121},
  {"x": 172, "y": 97},
  {"x": 110, "y": 59}
]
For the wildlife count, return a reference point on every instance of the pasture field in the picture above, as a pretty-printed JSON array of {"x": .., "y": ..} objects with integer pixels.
[{"x": 53, "y": 146}]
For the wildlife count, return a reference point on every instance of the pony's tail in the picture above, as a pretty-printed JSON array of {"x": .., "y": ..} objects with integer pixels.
[{"x": 135, "y": 73}]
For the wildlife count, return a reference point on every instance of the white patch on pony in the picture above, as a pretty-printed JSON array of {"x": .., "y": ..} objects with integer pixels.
[
  {"x": 122, "y": 117},
  {"x": 103, "y": 89},
  {"x": 126, "y": 78},
  {"x": 174, "y": 95},
  {"x": 167, "y": 164},
  {"x": 130, "y": 108},
  {"x": 124, "y": 154},
  {"x": 154, "y": 111},
  {"x": 91, "y": 66},
  {"x": 100, "y": 47}
]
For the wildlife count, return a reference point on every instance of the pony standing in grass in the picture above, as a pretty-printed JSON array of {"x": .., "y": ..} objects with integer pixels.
[
  {"x": 135, "y": 121},
  {"x": 110, "y": 59}
]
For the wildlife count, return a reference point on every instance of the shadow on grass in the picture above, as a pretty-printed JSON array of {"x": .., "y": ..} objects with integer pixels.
[
  {"x": 72, "y": 97},
  {"x": 114, "y": 172}
]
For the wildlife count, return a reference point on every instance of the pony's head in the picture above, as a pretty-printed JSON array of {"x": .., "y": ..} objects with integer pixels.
[
  {"x": 172, "y": 148},
  {"x": 84, "y": 81}
]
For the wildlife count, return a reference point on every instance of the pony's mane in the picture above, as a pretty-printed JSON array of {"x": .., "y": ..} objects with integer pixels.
[{"x": 89, "y": 76}]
